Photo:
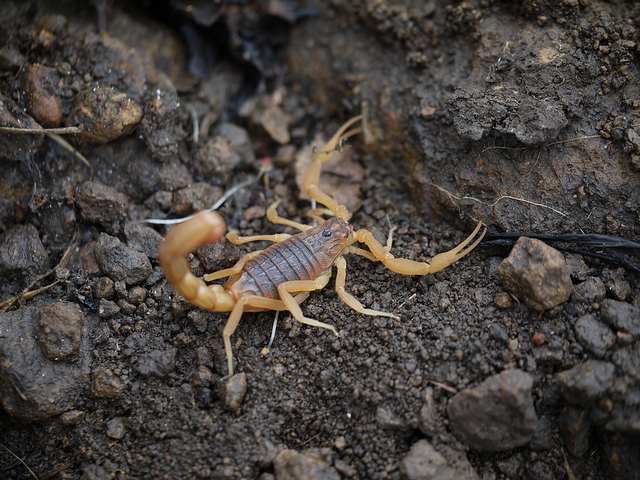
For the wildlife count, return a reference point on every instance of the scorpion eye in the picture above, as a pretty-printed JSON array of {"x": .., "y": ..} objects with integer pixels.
[{"x": 326, "y": 232}]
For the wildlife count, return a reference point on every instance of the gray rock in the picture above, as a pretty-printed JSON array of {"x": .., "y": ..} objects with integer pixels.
[
  {"x": 594, "y": 336},
  {"x": 107, "y": 308},
  {"x": 33, "y": 387},
  {"x": 144, "y": 239},
  {"x": 587, "y": 382},
  {"x": 621, "y": 316},
  {"x": 386, "y": 419},
  {"x": 158, "y": 362},
  {"x": 102, "y": 205},
  {"x": 537, "y": 274},
  {"x": 291, "y": 465},
  {"x": 423, "y": 462},
  {"x": 119, "y": 261},
  {"x": 239, "y": 139},
  {"x": 590, "y": 291},
  {"x": 22, "y": 256},
  {"x": 551, "y": 352},
  {"x": 497, "y": 415},
  {"x": 116, "y": 428}
]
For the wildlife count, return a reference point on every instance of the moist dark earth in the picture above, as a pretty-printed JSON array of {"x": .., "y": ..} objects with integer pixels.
[{"x": 522, "y": 115}]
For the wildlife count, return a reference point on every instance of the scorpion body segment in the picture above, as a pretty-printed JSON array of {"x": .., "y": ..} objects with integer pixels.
[
  {"x": 282, "y": 276},
  {"x": 305, "y": 256}
]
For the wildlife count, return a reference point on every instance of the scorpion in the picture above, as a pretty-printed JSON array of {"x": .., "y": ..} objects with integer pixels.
[{"x": 282, "y": 276}]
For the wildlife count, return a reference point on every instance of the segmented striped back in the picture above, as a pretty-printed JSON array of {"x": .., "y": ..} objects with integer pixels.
[{"x": 304, "y": 256}]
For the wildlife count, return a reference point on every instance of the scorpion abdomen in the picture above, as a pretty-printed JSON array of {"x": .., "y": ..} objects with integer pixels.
[{"x": 304, "y": 256}]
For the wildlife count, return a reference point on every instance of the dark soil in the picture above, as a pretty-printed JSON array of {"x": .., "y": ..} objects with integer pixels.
[{"x": 107, "y": 373}]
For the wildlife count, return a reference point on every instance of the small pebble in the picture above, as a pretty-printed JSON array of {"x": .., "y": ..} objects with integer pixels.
[
  {"x": 503, "y": 300},
  {"x": 233, "y": 391},
  {"x": 116, "y": 428},
  {"x": 105, "y": 384},
  {"x": 72, "y": 417},
  {"x": 538, "y": 338}
]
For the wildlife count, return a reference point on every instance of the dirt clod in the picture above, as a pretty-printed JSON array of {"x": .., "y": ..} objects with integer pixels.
[
  {"x": 590, "y": 291},
  {"x": 157, "y": 362},
  {"x": 497, "y": 415},
  {"x": 32, "y": 387},
  {"x": 587, "y": 383},
  {"x": 195, "y": 197},
  {"x": 143, "y": 238},
  {"x": 22, "y": 255},
  {"x": 595, "y": 336}
]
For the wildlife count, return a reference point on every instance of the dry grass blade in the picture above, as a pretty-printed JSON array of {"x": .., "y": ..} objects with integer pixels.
[
  {"x": 20, "y": 460},
  {"x": 56, "y": 131},
  {"x": 67, "y": 146}
]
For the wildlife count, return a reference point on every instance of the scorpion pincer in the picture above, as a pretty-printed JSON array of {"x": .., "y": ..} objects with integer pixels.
[{"x": 282, "y": 276}]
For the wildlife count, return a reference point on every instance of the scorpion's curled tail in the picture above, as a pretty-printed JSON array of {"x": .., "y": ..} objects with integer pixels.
[{"x": 206, "y": 227}]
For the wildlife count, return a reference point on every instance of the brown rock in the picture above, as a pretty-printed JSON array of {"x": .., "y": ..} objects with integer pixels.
[
  {"x": 104, "y": 114},
  {"x": 39, "y": 84},
  {"x": 574, "y": 423},
  {"x": 60, "y": 330},
  {"x": 537, "y": 274},
  {"x": 233, "y": 391},
  {"x": 105, "y": 384}
]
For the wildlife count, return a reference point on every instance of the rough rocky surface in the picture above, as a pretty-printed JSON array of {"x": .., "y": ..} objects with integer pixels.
[{"x": 520, "y": 114}]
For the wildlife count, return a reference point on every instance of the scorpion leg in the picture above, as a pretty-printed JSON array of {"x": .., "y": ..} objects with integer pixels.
[
  {"x": 244, "y": 303},
  {"x": 349, "y": 299},
  {"x": 409, "y": 267},
  {"x": 233, "y": 237},
  {"x": 235, "y": 270},
  {"x": 285, "y": 289},
  {"x": 311, "y": 178},
  {"x": 272, "y": 215}
]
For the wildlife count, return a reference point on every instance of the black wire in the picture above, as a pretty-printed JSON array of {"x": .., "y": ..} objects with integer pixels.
[{"x": 608, "y": 248}]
